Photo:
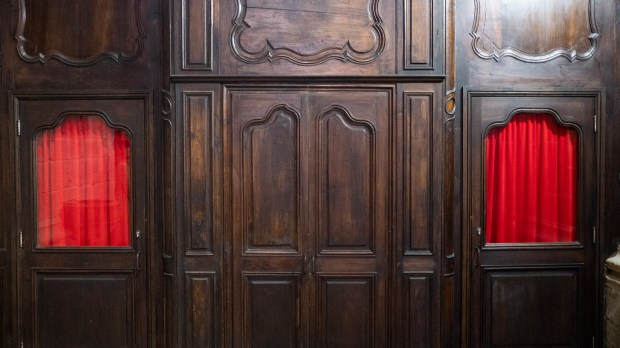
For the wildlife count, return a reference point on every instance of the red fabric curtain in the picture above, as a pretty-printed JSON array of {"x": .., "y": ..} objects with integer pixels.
[
  {"x": 531, "y": 181},
  {"x": 83, "y": 184}
]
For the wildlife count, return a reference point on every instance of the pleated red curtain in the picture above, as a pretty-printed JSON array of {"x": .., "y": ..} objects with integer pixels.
[
  {"x": 531, "y": 181},
  {"x": 83, "y": 184}
]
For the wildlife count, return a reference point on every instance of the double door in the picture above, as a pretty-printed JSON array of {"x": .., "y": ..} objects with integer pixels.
[{"x": 309, "y": 181}]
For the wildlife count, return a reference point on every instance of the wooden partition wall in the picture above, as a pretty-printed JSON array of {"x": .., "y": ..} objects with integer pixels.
[{"x": 306, "y": 173}]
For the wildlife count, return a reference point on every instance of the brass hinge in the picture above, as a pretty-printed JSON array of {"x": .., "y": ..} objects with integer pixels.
[
  {"x": 594, "y": 235},
  {"x": 21, "y": 239},
  {"x": 19, "y": 127}
]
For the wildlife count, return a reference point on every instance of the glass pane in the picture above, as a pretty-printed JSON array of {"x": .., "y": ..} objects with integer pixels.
[
  {"x": 531, "y": 181},
  {"x": 83, "y": 184}
]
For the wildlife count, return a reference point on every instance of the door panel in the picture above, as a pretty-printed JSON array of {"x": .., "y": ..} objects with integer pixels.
[
  {"x": 309, "y": 181},
  {"x": 513, "y": 299},
  {"x": 75, "y": 296}
]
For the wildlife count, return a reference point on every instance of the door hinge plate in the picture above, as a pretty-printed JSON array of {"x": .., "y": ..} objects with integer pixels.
[
  {"x": 594, "y": 235},
  {"x": 19, "y": 127},
  {"x": 21, "y": 239},
  {"x": 595, "y": 124}
]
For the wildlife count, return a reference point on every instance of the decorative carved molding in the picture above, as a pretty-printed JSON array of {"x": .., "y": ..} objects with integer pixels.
[
  {"x": 419, "y": 39},
  {"x": 278, "y": 131},
  {"x": 492, "y": 28},
  {"x": 32, "y": 49},
  {"x": 346, "y": 51}
]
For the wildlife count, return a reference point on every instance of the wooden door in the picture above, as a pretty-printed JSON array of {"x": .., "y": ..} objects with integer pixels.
[
  {"x": 82, "y": 269},
  {"x": 531, "y": 289},
  {"x": 309, "y": 182}
]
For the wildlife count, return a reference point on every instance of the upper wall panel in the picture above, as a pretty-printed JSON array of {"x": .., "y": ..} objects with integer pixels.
[
  {"x": 79, "y": 32},
  {"x": 535, "y": 31},
  {"x": 313, "y": 37}
]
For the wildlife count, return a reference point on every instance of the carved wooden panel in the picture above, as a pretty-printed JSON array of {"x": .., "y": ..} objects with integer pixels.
[
  {"x": 419, "y": 38},
  {"x": 197, "y": 35},
  {"x": 201, "y": 327},
  {"x": 418, "y": 310},
  {"x": 418, "y": 152},
  {"x": 347, "y": 168},
  {"x": 272, "y": 143},
  {"x": 198, "y": 113},
  {"x": 268, "y": 30},
  {"x": 532, "y": 308},
  {"x": 346, "y": 311},
  {"x": 84, "y": 309},
  {"x": 271, "y": 310},
  {"x": 79, "y": 32},
  {"x": 533, "y": 30}
]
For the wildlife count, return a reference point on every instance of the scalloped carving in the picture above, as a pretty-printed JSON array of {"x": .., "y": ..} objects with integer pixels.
[
  {"x": 307, "y": 32},
  {"x": 497, "y": 35},
  {"x": 79, "y": 32}
]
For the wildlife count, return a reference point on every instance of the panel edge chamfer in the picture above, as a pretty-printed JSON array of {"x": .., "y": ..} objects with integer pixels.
[
  {"x": 197, "y": 244},
  {"x": 324, "y": 151},
  {"x": 344, "y": 53},
  {"x": 272, "y": 116},
  {"x": 118, "y": 55},
  {"x": 419, "y": 23},
  {"x": 480, "y": 40}
]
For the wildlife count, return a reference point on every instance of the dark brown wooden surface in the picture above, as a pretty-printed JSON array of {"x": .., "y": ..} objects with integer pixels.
[{"x": 312, "y": 152}]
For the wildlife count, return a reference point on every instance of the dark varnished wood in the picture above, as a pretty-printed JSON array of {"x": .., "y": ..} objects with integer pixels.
[{"x": 494, "y": 269}]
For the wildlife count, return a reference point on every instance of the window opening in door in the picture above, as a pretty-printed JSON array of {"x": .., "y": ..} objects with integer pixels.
[
  {"x": 83, "y": 175},
  {"x": 531, "y": 181}
]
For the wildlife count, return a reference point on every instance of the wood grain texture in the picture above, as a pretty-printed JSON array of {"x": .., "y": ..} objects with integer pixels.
[
  {"x": 535, "y": 31},
  {"x": 285, "y": 29},
  {"x": 79, "y": 32},
  {"x": 200, "y": 309}
]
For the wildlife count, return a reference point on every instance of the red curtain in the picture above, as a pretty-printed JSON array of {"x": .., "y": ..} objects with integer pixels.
[
  {"x": 83, "y": 184},
  {"x": 531, "y": 181}
]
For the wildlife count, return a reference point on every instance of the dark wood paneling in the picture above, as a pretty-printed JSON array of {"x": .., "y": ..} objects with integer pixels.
[
  {"x": 198, "y": 113},
  {"x": 5, "y": 313},
  {"x": 350, "y": 31},
  {"x": 195, "y": 24},
  {"x": 200, "y": 310},
  {"x": 281, "y": 37},
  {"x": 84, "y": 309},
  {"x": 532, "y": 308},
  {"x": 419, "y": 310},
  {"x": 347, "y": 311},
  {"x": 272, "y": 143},
  {"x": 535, "y": 31},
  {"x": 271, "y": 310},
  {"x": 418, "y": 123},
  {"x": 79, "y": 32},
  {"x": 347, "y": 171},
  {"x": 419, "y": 34}
]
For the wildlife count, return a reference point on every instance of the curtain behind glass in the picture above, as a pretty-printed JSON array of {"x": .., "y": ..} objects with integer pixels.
[
  {"x": 531, "y": 181},
  {"x": 83, "y": 184}
]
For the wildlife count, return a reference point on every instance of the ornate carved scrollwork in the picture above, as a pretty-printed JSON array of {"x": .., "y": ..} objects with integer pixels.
[{"x": 313, "y": 53}]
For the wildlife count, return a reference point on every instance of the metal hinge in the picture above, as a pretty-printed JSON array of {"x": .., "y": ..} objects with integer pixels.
[
  {"x": 21, "y": 239},
  {"x": 21, "y": 345},
  {"x": 594, "y": 235},
  {"x": 593, "y": 342},
  {"x": 595, "y": 124},
  {"x": 19, "y": 127}
]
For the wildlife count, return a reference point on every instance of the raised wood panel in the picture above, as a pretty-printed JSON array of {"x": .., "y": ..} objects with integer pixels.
[
  {"x": 535, "y": 31},
  {"x": 351, "y": 31},
  {"x": 346, "y": 311},
  {"x": 201, "y": 327},
  {"x": 419, "y": 38},
  {"x": 74, "y": 309},
  {"x": 418, "y": 312},
  {"x": 197, "y": 42},
  {"x": 271, "y": 310},
  {"x": 532, "y": 308},
  {"x": 418, "y": 125},
  {"x": 79, "y": 32},
  {"x": 198, "y": 113},
  {"x": 271, "y": 170},
  {"x": 347, "y": 167}
]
